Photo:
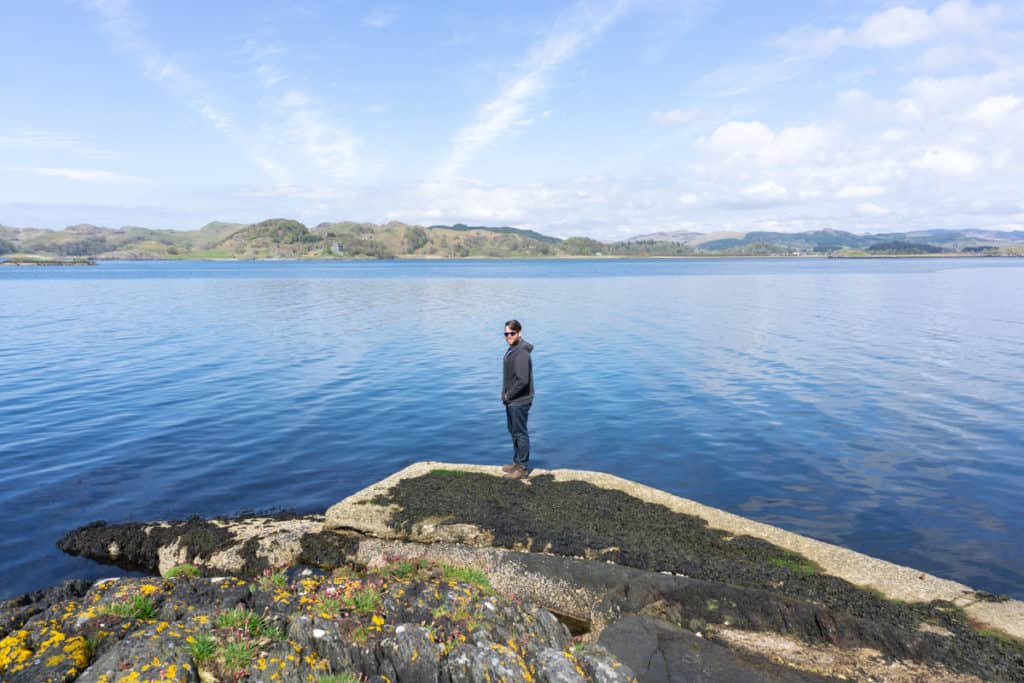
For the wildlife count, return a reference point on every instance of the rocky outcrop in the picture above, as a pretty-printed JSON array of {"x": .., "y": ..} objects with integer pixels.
[
  {"x": 402, "y": 622},
  {"x": 241, "y": 545},
  {"x": 676, "y": 591}
]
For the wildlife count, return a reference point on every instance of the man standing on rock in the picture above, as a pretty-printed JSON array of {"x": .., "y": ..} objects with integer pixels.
[{"x": 517, "y": 395}]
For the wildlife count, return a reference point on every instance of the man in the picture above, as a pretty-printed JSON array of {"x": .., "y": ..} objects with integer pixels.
[{"x": 517, "y": 395}]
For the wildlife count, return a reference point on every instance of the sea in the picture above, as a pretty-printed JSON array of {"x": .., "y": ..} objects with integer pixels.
[{"x": 876, "y": 404}]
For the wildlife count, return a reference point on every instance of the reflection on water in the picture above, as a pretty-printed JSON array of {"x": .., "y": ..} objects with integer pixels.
[{"x": 872, "y": 404}]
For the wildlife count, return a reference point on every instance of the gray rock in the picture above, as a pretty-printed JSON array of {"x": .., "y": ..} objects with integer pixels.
[
  {"x": 602, "y": 666},
  {"x": 556, "y": 666},
  {"x": 470, "y": 664},
  {"x": 411, "y": 654},
  {"x": 659, "y": 652},
  {"x": 330, "y": 641},
  {"x": 155, "y": 656},
  {"x": 280, "y": 663}
]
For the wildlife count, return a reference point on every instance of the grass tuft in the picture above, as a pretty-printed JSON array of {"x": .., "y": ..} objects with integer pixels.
[
  {"x": 183, "y": 570},
  {"x": 273, "y": 580},
  {"x": 203, "y": 648},
  {"x": 138, "y": 607},
  {"x": 238, "y": 654},
  {"x": 346, "y": 677},
  {"x": 248, "y": 623},
  {"x": 467, "y": 574},
  {"x": 796, "y": 563},
  {"x": 365, "y": 601}
]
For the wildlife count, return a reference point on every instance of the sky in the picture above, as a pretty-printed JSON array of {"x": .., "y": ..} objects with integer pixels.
[{"x": 604, "y": 118}]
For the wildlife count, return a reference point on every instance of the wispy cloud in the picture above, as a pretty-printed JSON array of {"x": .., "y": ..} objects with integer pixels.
[
  {"x": 673, "y": 117},
  {"x": 88, "y": 175},
  {"x": 36, "y": 138},
  {"x": 328, "y": 146},
  {"x": 302, "y": 127},
  {"x": 573, "y": 31},
  {"x": 894, "y": 27},
  {"x": 127, "y": 31},
  {"x": 381, "y": 17}
]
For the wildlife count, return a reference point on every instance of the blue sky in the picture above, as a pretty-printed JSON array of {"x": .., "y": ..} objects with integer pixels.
[{"x": 606, "y": 118}]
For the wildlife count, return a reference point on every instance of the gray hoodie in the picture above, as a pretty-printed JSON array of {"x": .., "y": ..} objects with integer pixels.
[{"x": 517, "y": 374}]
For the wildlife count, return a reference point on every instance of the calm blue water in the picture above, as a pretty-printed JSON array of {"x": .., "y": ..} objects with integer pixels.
[{"x": 874, "y": 404}]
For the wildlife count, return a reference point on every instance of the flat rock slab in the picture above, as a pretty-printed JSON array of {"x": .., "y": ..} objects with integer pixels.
[
  {"x": 658, "y": 652},
  {"x": 245, "y": 545},
  {"x": 575, "y": 513}
]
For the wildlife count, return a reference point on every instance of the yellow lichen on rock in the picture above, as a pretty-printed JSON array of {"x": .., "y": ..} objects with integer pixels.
[{"x": 14, "y": 651}]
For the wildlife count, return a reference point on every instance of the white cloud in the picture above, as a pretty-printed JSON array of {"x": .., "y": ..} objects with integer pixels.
[
  {"x": 737, "y": 136},
  {"x": 992, "y": 110},
  {"x": 673, "y": 117},
  {"x": 327, "y": 146},
  {"x": 870, "y": 209},
  {"x": 946, "y": 160},
  {"x": 88, "y": 175},
  {"x": 754, "y": 140},
  {"x": 582, "y": 23},
  {"x": 381, "y": 17},
  {"x": 269, "y": 75},
  {"x": 895, "y": 27},
  {"x": 688, "y": 199},
  {"x": 894, "y": 135},
  {"x": 768, "y": 190},
  {"x": 127, "y": 32},
  {"x": 215, "y": 116},
  {"x": 295, "y": 133},
  {"x": 860, "y": 191},
  {"x": 36, "y": 138}
]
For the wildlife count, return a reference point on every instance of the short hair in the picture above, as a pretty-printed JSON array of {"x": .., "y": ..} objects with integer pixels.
[{"x": 514, "y": 324}]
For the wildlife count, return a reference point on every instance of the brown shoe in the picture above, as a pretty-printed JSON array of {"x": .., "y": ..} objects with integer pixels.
[
  {"x": 518, "y": 472},
  {"x": 511, "y": 467}
]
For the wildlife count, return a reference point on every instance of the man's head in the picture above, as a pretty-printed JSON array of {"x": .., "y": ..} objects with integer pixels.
[{"x": 513, "y": 331}]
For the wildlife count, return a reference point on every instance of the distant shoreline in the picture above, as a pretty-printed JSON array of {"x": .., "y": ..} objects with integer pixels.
[
  {"x": 23, "y": 261},
  {"x": 47, "y": 262}
]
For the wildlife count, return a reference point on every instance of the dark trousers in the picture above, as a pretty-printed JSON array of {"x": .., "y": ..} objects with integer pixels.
[{"x": 517, "y": 415}]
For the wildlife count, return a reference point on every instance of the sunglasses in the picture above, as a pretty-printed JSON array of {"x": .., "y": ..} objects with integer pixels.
[{"x": 511, "y": 334}]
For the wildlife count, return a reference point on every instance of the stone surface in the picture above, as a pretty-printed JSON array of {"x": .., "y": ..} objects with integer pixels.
[
  {"x": 609, "y": 557},
  {"x": 244, "y": 545},
  {"x": 660, "y": 653},
  {"x": 404, "y": 622},
  {"x": 361, "y": 512}
]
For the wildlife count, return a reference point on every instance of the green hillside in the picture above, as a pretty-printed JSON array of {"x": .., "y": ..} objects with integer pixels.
[{"x": 278, "y": 238}]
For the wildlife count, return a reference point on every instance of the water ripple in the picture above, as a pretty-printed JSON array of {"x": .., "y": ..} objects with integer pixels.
[{"x": 870, "y": 404}]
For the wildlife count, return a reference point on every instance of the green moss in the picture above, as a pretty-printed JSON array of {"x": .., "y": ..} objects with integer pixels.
[
  {"x": 346, "y": 677},
  {"x": 440, "y": 472},
  {"x": 186, "y": 570},
  {"x": 795, "y": 562}
]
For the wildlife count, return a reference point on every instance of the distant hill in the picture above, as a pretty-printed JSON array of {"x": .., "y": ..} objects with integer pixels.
[
  {"x": 459, "y": 227},
  {"x": 287, "y": 238},
  {"x": 680, "y": 236},
  {"x": 825, "y": 241}
]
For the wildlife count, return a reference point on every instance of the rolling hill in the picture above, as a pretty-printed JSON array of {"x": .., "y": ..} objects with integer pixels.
[{"x": 287, "y": 238}]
